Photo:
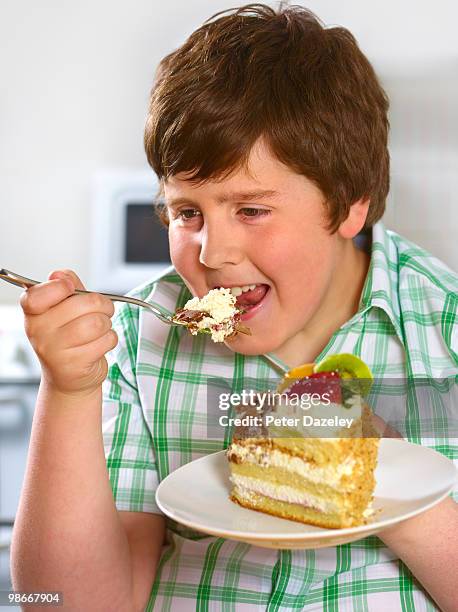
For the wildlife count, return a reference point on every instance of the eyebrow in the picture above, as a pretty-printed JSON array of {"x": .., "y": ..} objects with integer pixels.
[{"x": 240, "y": 196}]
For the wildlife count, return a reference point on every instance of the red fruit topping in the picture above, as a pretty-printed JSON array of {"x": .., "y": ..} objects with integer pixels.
[{"x": 325, "y": 384}]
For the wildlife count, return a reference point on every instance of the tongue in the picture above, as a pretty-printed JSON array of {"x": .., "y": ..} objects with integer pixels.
[{"x": 250, "y": 298}]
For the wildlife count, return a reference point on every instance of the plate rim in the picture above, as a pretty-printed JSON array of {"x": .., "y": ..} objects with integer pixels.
[{"x": 323, "y": 532}]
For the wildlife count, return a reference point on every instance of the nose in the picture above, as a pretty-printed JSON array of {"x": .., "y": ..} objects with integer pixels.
[{"x": 219, "y": 246}]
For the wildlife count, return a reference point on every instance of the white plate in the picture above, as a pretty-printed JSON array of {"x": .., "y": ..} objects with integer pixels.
[{"x": 410, "y": 479}]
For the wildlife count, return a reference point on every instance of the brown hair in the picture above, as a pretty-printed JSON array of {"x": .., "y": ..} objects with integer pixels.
[{"x": 308, "y": 90}]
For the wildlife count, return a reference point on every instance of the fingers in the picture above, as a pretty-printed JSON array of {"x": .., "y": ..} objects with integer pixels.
[
  {"x": 40, "y": 298},
  {"x": 69, "y": 332},
  {"x": 85, "y": 329},
  {"x": 55, "y": 314},
  {"x": 67, "y": 274},
  {"x": 95, "y": 350},
  {"x": 76, "y": 363},
  {"x": 77, "y": 306},
  {"x": 65, "y": 323}
]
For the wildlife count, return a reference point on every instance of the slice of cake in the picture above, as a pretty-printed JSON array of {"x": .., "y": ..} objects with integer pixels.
[
  {"x": 314, "y": 461},
  {"x": 216, "y": 314}
]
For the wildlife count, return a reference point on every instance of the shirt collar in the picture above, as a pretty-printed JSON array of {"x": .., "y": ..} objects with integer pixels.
[{"x": 381, "y": 289}]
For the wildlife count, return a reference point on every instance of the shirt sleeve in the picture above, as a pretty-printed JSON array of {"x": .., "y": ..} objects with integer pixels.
[{"x": 129, "y": 452}]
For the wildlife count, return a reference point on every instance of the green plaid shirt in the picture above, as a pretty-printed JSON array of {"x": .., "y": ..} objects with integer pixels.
[{"x": 155, "y": 420}]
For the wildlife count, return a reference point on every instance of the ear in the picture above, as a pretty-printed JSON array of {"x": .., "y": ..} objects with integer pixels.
[{"x": 354, "y": 223}]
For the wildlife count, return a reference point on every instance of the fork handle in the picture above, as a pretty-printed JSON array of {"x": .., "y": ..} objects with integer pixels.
[{"x": 26, "y": 283}]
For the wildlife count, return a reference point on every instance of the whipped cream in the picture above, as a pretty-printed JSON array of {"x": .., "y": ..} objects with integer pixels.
[
  {"x": 221, "y": 308},
  {"x": 329, "y": 475},
  {"x": 282, "y": 492}
]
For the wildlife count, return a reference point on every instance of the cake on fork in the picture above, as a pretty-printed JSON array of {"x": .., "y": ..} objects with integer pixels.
[{"x": 216, "y": 314}]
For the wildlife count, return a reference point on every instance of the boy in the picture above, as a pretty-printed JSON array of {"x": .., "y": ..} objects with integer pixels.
[{"x": 269, "y": 135}]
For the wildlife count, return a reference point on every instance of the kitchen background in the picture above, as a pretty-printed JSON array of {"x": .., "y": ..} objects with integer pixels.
[{"x": 74, "y": 85}]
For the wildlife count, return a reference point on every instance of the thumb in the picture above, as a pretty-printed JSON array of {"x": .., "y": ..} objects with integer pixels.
[{"x": 67, "y": 275}]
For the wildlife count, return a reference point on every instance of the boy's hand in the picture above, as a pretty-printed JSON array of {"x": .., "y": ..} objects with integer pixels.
[{"x": 70, "y": 335}]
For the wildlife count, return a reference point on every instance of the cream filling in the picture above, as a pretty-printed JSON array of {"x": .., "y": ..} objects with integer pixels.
[
  {"x": 330, "y": 475},
  {"x": 248, "y": 485}
]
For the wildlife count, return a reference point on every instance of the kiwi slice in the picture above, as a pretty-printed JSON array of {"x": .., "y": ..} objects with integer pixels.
[{"x": 348, "y": 366}]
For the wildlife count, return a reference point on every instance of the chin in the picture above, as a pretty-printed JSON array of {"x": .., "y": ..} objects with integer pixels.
[{"x": 250, "y": 345}]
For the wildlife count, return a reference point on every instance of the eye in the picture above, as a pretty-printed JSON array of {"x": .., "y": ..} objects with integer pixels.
[
  {"x": 254, "y": 213},
  {"x": 188, "y": 213}
]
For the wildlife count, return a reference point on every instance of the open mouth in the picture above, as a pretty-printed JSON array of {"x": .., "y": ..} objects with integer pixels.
[
  {"x": 248, "y": 297},
  {"x": 247, "y": 300}
]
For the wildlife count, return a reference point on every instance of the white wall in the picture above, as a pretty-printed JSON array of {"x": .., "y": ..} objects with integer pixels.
[{"x": 75, "y": 78}]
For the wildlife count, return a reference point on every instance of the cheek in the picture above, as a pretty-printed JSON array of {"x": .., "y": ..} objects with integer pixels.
[
  {"x": 294, "y": 251},
  {"x": 182, "y": 251},
  {"x": 301, "y": 266},
  {"x": 175, "y": 246},
  {"x": 271, "y": 251}
]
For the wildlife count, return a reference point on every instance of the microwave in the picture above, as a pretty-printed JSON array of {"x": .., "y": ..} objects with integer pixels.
[{"x": 128, "y": 243}]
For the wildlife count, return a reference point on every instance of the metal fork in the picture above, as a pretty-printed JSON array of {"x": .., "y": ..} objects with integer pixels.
[{"x": 26, "y": 283}]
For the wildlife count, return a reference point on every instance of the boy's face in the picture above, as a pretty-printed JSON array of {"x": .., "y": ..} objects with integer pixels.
[{"x": 265, "y": 228}]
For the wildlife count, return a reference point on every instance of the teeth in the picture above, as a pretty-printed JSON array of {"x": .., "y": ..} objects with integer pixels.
[{"x": 236, "y": 291}]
